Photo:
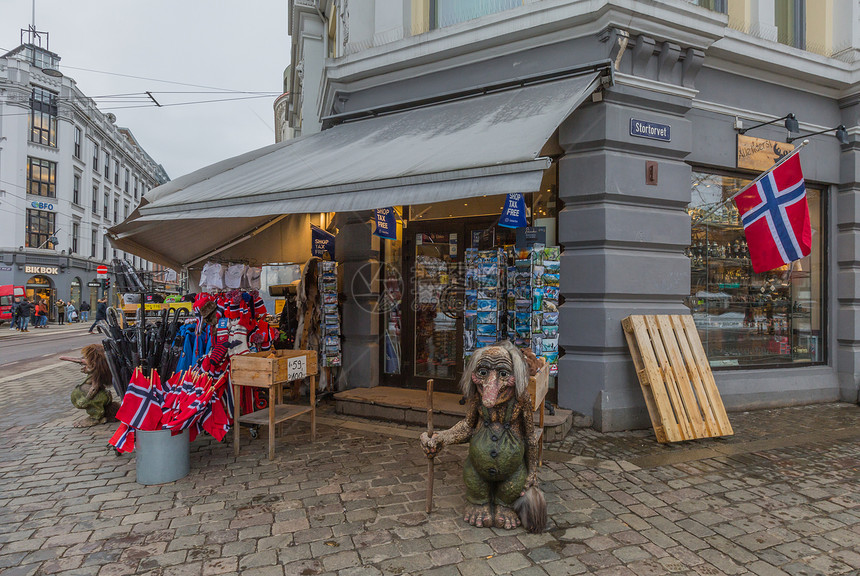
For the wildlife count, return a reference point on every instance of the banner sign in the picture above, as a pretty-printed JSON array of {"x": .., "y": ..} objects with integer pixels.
[
  {"x": 514, "y": 212},
  {"x": 322, "y": 243},
  {"x": 386, "y": 223}
]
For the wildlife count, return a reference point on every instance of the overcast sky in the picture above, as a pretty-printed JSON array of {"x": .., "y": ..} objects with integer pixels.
[{"x": 234, "y": 45}]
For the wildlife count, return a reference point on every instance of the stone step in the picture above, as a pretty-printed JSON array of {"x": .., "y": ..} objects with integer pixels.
[{"x": 407, "y": 406}]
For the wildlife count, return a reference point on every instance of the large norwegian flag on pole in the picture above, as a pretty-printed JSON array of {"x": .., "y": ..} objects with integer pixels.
[{"x": 775, "y": 216}]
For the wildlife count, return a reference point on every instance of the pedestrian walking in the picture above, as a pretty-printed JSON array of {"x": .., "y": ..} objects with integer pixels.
[
  {"x": 71, "y": 312},
  {"x": 61, "y": 312},
  {"x": 43, "y": 310},
  {"x": 16, "y": 303},
  {"x": 24, "y": 311},
  {"x": 101, "y": 313},
  {"x": 85, "y": 311}
]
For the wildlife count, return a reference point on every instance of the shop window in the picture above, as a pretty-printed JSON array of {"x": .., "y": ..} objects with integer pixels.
[
  {"x": 40, "y": 227},
  {"x": 43, "y": 117},
  {"x": 751, "y": 320},
  {"x": 449, "y": 12},
  {"x": 116, "y": 209},
  {"x": 41, "y": 177},
  {"x": 75, "y": 291},
  {"x": 790, "y": 19},
  {"x": 135, "y": 187},
  {"x": 127, "y": 176}
]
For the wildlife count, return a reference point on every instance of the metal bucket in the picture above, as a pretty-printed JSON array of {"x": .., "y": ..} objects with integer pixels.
[{"x": 160, "y": 456}]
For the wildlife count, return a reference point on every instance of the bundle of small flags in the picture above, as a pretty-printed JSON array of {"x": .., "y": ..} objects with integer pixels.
[{"x": 195, "y": 399}]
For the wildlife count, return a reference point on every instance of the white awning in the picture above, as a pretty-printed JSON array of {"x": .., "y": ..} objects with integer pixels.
[{"x": 481, "y": 145}]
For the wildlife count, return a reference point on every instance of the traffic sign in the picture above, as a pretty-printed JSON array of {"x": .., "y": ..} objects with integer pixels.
[
  {"x": 102, "y": 271},
  {"x": 93, "y": 284}
]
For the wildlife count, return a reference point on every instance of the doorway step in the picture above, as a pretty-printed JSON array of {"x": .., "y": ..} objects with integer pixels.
[{"x": 408, "y": 406}]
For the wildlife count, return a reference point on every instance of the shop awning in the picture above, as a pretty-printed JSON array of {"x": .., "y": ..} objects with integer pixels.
[{"x": 481, "y": 145}]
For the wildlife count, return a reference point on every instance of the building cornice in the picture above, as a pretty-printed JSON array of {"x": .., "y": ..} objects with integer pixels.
[
  {"x": 540, "y": 23},
  {"x": 746, "y": 55}
]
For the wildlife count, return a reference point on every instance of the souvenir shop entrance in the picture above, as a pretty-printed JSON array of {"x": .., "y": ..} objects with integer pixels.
[{"x": 424, "y": 295}]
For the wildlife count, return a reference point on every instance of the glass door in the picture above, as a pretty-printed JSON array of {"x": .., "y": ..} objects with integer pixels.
[{"x": 435, "y": 328}]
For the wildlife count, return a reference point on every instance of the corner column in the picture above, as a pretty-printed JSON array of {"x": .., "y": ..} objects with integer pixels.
[
  {"x": 847, "y": 244},
  {"x": 624, "y": 228}
]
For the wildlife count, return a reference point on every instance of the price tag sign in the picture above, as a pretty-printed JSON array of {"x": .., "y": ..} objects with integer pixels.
[{"x": 297, "y": 368}]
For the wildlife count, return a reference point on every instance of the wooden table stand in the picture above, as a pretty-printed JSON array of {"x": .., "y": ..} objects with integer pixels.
[{"x": 262, "y": 370}]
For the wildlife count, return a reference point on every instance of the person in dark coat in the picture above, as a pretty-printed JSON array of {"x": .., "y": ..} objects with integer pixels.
[
  {"x": 24, "y": 311},
  {"x": 61, "y": 312},
  {"x": 101, "y": 313},
  {"x": 85, "y": 311}
]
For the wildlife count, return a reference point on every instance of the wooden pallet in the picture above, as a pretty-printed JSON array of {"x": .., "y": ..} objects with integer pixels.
[{"x": 676, "y": 378}]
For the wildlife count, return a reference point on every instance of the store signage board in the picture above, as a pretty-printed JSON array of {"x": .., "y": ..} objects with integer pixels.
[
  {"x": 760, "y": 154},
  {"x": 297, "y": 368},
  {"x": 652, "y": 130},
  {"x": 93, "y": 284},
  {"x": 5, "y": 268},
  {"x": 41, "y": 269},
  {"x": 42, "y": 205}
]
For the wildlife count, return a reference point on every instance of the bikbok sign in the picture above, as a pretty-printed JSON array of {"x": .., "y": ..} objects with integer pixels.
[{"x": 41, "y": 269}]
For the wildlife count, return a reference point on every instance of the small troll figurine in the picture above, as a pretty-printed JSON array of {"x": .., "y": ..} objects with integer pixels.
[
  {"x": 501, "y": 470},
  {"x": 93, "y": 394}
]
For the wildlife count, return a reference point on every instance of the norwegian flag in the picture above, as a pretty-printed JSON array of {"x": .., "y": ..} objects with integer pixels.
[
  {"x": 142, "y": 402},
  {"x": 775, "y": 216},
  {"x": 123, "y": 438}
]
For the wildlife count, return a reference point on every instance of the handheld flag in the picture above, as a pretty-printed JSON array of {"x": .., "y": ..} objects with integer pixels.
[{"x": 775, "y": 216}]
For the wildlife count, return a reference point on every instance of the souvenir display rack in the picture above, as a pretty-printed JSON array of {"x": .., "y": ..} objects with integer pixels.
[
  {"x": 532, "y": 302},
  {"x": 330, "y": 349},
  {"x": 484, "y": 299}
]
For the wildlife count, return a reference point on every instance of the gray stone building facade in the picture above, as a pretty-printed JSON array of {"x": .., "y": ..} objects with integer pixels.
[{"x": 674, "y": 64}]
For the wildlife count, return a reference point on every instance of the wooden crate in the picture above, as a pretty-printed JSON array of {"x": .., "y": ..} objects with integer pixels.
[
  {"x": 262, "y": 369},
  {"x": 676, "y": 378}
]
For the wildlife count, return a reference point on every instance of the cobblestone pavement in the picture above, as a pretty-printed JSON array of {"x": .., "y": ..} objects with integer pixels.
[{"x": 782, "y": 496}]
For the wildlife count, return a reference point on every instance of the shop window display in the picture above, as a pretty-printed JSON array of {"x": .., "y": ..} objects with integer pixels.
[{"x": 744, "y": 319}]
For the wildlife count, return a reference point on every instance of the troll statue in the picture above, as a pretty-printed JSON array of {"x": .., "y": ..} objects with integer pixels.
[
  {"x": 500, "y": 472},
  {"x": 93, "y": 394}
]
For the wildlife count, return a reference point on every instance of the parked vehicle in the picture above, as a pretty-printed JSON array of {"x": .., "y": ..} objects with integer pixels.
[{"x": 8, "y": 293}]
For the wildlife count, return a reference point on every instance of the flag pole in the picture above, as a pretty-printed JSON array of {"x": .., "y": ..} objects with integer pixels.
[{"x": 750, "y": 185}]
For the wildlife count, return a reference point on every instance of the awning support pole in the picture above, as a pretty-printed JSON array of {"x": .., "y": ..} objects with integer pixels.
[{"x": 247, "y": 236}]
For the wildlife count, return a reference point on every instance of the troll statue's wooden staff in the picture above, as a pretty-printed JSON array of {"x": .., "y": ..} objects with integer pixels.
[{"x": 429, "y": 435}]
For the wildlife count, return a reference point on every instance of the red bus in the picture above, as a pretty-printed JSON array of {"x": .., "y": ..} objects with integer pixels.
[{"x": 8, "y": 293}]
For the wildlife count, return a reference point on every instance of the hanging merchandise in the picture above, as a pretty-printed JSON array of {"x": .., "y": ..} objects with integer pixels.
[
  {"x": 532, "y": 302},
  {"x": 212, "y": 276},
  {"x": 251, "y": 281},
  {"x": 484, "y": 299},
  {"x": 233, "y": 275},
  {"x": 330, "y": 352}
]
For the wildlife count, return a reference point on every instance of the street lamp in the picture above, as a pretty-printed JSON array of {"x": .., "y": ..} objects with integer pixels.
[
  {"x": 841, "y": 134},
  {"x": 791, "y": 124}
]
